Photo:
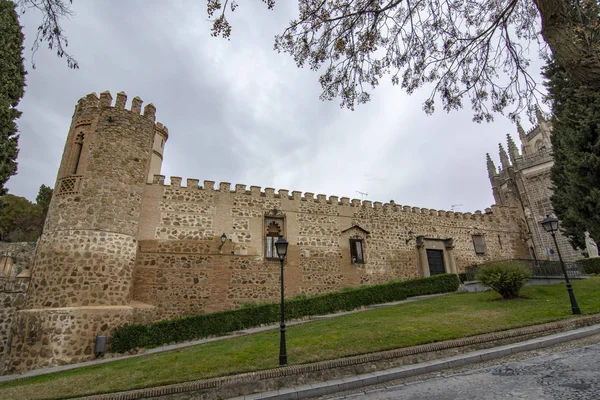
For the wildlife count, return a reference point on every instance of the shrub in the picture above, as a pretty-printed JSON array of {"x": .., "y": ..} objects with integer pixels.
[
  {"x": 590, "y": 265},
  {"x": 506, "y": 278},
  {"x": 220, "y": 323}
]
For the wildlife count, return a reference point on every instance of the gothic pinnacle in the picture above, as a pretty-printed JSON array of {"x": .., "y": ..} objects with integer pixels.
[
  {"x": 503, "y": 157},
  {"x": 490, "y": 166},
  {"x": 513, "y": 151}
]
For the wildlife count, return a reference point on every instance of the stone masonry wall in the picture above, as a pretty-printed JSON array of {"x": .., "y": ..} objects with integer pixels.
[
  {"x": 82, "y": 279},
  {"x": 181, "y": 270},
  {"x": 13, "y": 293},
  {"x": 87, "y": 251}
]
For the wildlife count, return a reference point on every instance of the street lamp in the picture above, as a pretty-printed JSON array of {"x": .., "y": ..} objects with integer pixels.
[
  {"x": 550, "y": 224},
  {"x": 281, "y": 245}
]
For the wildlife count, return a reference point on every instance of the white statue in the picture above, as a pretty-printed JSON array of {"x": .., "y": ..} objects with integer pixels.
[{"x": 591, "y": 246}]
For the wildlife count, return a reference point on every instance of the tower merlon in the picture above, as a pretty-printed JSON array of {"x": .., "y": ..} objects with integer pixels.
[
  {"x": 136, "y": 105},
  {"x": 150, "y": 112},
  {"x": 209, "y": 185},
  {"x": 121, "y": 100},
  {"x": 105, "y": 99}
]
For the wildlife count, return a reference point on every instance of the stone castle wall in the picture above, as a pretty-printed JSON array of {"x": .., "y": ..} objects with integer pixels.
[
  {"x": 180, "y": 270},
  {"x": 15, "y": 261},
  {"x": 87, "y": 251},
  {"x": 121, "y": 247},
  {"x": 82, "y": 279},
  {"x": 13, "y": 293}
]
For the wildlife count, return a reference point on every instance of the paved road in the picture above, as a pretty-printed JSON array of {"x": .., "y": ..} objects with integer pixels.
[{"x": 568, "y": 375}]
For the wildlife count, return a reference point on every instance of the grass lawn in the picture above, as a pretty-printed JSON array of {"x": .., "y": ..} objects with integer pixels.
[{"x": 432, "y": 320}]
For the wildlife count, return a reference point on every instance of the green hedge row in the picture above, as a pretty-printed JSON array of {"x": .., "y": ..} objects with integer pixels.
[
  {"x": 220, "y": 323},
  {"x": 590, "y": 265}
]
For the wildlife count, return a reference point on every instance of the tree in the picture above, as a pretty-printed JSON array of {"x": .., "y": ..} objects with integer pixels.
[
  {"x": 50, "y": 30},
  {"x": 12, "y": 82},
  {"x": 576, "y": 148},
  {"x": 43, "y": 199},
  {"x": 20, "y": 220},
  {"x": 459, "y": 46}
]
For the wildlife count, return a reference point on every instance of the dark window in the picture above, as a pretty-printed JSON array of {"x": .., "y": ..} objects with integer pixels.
[
  {"x": 274, "y": 230},
  {"x": 356, "y": 251},
  {"x": 479, "y": 244},
  {"x": 435, "y": 259}
]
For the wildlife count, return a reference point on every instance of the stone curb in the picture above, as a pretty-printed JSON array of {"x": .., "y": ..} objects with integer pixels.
[{"x": 319, "y": 389}]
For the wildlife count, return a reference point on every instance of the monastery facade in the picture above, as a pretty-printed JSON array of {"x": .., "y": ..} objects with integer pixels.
[{"x": 524, "y": 181}]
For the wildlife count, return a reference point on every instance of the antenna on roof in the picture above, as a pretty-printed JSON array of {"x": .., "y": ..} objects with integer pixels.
[
  {"x": 362, "y": 195},
  {"x": 454, "y": 206}
]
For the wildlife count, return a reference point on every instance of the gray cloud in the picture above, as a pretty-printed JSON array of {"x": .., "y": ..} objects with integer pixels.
[{"x": 239, "y": 112}]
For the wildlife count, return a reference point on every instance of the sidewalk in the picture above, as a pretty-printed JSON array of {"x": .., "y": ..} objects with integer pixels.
[{"x": 162, "y": 349}]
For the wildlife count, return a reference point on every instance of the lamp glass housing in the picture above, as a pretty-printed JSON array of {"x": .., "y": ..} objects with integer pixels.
[
  {"x": 223, "y": 238},
  {"x": 281, "y": 245},
  {"x": 550, "y": 224}
]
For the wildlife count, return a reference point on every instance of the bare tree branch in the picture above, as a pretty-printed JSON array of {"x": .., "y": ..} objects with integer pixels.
[{"x": 50, "y": 30}]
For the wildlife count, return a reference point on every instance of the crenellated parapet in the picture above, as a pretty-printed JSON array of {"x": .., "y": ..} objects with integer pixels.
[
  {"x": 176, "y": 182},
  {"x": 92, "y": 103}
]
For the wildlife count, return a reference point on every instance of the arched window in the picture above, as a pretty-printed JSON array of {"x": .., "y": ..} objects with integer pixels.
[
  {"x": 539, "y": 145},
  {"x": 274, "y": 230},
  {"x": 78, "y": 149}
]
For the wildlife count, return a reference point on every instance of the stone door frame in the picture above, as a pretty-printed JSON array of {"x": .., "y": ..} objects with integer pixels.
[{"x": 447, "y": 247}]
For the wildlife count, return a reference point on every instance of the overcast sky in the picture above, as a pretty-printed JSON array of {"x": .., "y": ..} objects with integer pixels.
[{"x": 239, "y": 112}]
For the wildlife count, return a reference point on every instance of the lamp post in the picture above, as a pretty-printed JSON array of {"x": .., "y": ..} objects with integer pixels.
[
  {"x": 550, "y": 224},
  {"x": 281, "y": 245}
]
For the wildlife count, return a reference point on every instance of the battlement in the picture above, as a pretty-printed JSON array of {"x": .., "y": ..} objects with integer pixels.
[
  {"x": 392, "y": 206},
  {"x": 92, "y": 102}
]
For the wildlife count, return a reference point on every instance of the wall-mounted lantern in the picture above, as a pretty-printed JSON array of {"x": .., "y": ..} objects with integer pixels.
[
  {"x": 411, "y": 236},
  {"x": 223, "y": 239}
]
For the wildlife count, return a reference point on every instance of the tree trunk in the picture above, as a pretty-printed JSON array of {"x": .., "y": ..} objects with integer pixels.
[{"x": 569, "y": 47}]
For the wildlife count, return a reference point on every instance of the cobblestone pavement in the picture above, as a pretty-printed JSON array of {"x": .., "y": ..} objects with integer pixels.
[{"x": 568, "y": 371}]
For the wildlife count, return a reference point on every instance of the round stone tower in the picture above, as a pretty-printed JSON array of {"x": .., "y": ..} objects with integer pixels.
[{"x": 82, "y": 279}]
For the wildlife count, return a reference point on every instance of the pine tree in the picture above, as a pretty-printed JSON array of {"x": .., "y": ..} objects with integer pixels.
[
  {"x": 576, "y": 147},
  {"x": 43, "y": 199},
  {"x": 12, "y": 83}
]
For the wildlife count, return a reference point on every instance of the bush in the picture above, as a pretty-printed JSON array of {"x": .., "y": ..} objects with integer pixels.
[
  {"x": 590, "y": 265},
  {"x": 220, "y": 323},
  {"x": 506, "y": 278}
]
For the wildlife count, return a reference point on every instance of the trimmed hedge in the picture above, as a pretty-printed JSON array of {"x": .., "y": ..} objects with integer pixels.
[
  {"x": 590, "y": 265},
  {"x": 220, "y": 323}
]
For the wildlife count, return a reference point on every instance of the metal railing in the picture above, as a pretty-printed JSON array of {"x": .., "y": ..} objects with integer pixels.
[{"x": 538, "y": 268}]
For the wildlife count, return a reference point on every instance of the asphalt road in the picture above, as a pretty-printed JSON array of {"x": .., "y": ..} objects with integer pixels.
[{"x": 568, "y": 374}]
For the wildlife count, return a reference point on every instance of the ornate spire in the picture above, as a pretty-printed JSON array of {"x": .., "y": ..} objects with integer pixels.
[
  {"x": 490, "y": 166},
  {"x": 521, "y": 132},
  {"x": 513, "y": 151},
  {"x": 539, "y": 115},
  {"x": 503, "y": 157}
]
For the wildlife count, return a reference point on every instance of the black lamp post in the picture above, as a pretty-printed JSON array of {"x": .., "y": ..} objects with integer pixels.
[
  {"x": 281, "y": 245},
  {"x": 550, "y": 224}
]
